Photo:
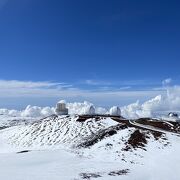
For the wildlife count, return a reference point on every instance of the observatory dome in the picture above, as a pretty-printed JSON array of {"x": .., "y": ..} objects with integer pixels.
[
  {"x": 115, "y": 111},
  {"x": 90, "y": 110},
  {"x": 61, "y": 108}
]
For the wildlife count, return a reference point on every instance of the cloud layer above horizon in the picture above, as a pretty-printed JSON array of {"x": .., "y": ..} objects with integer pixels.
[
  {"x": 167, "y": 98},
  {"x": 15, "y": 91}
]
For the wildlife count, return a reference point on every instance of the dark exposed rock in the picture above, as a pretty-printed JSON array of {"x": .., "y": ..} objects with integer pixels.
[
  {"x": 119, "y": 172},
  {"x": 24, "y": 151},
  {"x": 160, "y": 124},
  {"x": 3, "y": 127},
  {"x": 136, "y": 140},
  {"x": 89, "y": 175},
  {"x": 157, "y": 135}
]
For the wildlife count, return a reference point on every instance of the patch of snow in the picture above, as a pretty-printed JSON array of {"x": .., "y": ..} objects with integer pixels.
[{"x": 55, "y": 131}]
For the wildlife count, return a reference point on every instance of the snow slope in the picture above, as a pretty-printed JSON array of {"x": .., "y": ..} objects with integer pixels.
[
  {"x": 62, "y": 148},
  {"x": 53, "y": 131}
]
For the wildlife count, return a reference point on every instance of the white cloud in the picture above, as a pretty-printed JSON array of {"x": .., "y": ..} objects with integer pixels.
[
  {"x": 125, "y": 88},
  {"x": 25, "y": 90},
  {"x": 164, "y": 102},
  {"x": 95, "y": 82},
  {"x": 26, "y": 84},
  {"x": 161, "y": 104},
  {"x": 120, "y": 82},
  {"x": 14, "y": 88},
  {"x": 167, "y": 81}
]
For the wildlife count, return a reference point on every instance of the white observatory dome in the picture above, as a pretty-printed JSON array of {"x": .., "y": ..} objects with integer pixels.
[
  {"x": 173, "y": 115},
  {"x": 61, "y": 108},
  {"x": 90, "y": 110},
  {"x": 115, "y": 111},
  {"x": 62, "y": 102}
]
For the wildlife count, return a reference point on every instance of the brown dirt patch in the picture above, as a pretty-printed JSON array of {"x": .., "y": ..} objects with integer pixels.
[{"x": 136, "y": 140}]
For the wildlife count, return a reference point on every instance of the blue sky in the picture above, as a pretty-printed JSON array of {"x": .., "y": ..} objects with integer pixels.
[{"x": 84, "y": 49}]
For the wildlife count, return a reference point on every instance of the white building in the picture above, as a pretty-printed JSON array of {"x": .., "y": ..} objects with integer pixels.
[
  {"x": 173, "y": 115},
  {"x": 89, "y": 110},
  {"x": 115, "y": 111},
  {"x": 61, "y": 108}
]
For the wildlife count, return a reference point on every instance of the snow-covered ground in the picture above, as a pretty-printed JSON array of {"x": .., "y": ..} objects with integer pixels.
[{"x": 54, "y": 151}]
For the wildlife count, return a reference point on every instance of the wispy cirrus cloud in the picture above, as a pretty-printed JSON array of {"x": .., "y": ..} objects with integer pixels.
[
  {"x": 137, "y": 82},
  {"x": 27, "y": 84},
  {"x": 46, "y": 89},
  {"x": 96, "y": 82},
  {"x": 164, "y": 84},
  {"x": 16, "y": 88},
  {"x": 35, "y": 91}
]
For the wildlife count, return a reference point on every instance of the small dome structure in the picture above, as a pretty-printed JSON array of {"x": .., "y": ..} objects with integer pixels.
[
  {"x": 173, "y": 115},
  {"x": 61, "y": 108},
  {"x": 62, "y": 102},
  {"x": 89, "y": 110},
  {"x": 115, "y": 111}
]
